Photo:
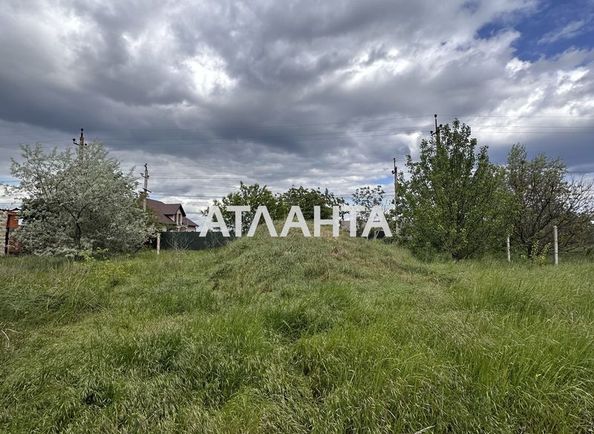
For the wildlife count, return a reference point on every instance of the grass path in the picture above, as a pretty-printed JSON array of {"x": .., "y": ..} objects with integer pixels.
[{"x": 295, "y": 335}]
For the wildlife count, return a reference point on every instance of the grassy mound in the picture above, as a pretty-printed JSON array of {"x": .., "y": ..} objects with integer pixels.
[{"x": 295, "y": 335}]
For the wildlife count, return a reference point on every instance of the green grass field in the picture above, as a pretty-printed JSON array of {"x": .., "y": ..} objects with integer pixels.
[{"x": 295, "y": 335}]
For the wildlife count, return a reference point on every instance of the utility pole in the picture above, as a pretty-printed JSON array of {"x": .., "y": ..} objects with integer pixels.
[
  {"x": 436, "y": 129},
  {"x": 146, "y": 191},
  {"x": 395, "y": 173},
  {"x": 81, "y": 143}
]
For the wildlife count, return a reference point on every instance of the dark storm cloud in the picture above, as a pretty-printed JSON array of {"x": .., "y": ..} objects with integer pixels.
[{"x": 320, "y": 93}]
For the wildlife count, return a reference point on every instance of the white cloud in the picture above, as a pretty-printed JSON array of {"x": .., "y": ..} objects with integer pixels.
[
  {"x": 569, "y": 31},
  {"x": 297, "y": 92}
]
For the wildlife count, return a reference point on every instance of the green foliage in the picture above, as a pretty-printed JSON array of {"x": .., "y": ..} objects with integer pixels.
[
  {"x": 542, "y": 198},
  {"x": 78, "y": 204},
  {"x": 307, "y": 198},
  {"x": 455, "y": 200},
  {"x": 278, "y": 205},
  {"x": 368, "y": 197},
  {"x": 249, "y": 195},
  {"x": 295, "y": 335}
]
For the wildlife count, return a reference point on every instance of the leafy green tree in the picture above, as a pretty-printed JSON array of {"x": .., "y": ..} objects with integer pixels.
[
  {"x": 78, "y": 203},
  {"x": 278, "y": 205},
  {"x": 455, "y": 200},
  {"x": 542, "y": 198},
  {"x": 307, "y": 198},
  {"x": 367, "y": 197},
  {"x": 253, "y": 196}
]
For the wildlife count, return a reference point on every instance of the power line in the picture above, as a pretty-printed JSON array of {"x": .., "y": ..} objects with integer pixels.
[
  {"x": 385, "y": 117},
  {"x": 519, "y": 116},
  {"x": 215, "y": 196},
  {"x": 310, "y": 135},
  {"x": 338, "y": 139},
  {"x": 187, "y": 134},
  {"x": 299, "y": 125},
  {"x": 205, "y": 177},
  {"x": 183, "y": 137},
  {"x": 338, "y": 136}
]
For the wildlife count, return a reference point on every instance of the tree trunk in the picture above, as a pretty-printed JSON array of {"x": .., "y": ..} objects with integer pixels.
[{"x": 77, "y": 234}]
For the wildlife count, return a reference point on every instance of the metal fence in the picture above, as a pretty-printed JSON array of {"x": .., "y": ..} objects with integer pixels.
[{"x": 192, "y": 240}]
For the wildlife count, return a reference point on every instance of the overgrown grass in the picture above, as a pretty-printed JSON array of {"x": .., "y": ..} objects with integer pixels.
[{"x": 295, "y": 335}]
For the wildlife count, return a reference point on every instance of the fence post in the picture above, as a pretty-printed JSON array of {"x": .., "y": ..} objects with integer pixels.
[
  {"x": 4, "y": 232},
  {"x": 158, "y": 243},
  {"x": 508, "y": 250},
  {"x": 556, "y": 244}
]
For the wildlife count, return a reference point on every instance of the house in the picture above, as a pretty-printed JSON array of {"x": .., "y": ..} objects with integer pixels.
[
  {"x": 9, "y": 222},
  {"x": 171, "y": 215}
]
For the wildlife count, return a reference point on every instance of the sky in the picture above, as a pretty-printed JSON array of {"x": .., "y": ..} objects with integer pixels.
[{"x": 314, "y": 93}]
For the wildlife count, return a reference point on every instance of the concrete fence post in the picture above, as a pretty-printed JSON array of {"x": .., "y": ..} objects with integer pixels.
[
  {"x": 508, "y": 250},
  {"x": 3, "y": 232},
  {"x": 556, "y": 244},
  {"x": 158, "y": 243}
]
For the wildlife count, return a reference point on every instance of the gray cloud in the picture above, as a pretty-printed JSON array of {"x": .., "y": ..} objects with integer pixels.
[{"x": 318, "y": 93}]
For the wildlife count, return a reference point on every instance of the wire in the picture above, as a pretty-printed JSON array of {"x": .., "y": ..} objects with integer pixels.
[
  {"x": 298, "y": 125},
  {"x": 518, "y": 116},
  {"x": 214, "y": 196},
  {"x": 355, "y": 134},
  {"x": 205, "y": 177},
  {"x": 320, "y": 135}
]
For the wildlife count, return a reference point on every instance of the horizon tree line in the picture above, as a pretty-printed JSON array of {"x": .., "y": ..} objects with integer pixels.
[{"x": 453, "y": 201}]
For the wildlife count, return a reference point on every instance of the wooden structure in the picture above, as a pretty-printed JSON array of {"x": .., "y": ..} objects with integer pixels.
[{"x": 9, "y": 222}]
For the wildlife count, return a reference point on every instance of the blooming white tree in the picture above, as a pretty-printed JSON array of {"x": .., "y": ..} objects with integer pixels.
[{"x": 78, "y": 203}]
